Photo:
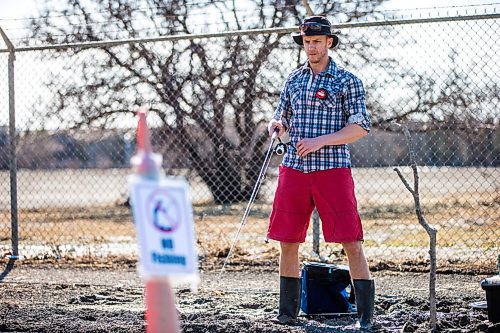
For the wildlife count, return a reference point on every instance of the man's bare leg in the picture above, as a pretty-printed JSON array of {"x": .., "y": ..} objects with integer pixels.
[
  {"x": 358, "y": 266},
  {"x": 289, "y": 259}
]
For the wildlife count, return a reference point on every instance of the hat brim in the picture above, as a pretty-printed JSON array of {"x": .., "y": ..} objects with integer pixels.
[{"x": 297, "y": 37}]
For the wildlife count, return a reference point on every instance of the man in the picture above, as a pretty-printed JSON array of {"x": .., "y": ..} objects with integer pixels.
[{"x": 322, "y": 106}]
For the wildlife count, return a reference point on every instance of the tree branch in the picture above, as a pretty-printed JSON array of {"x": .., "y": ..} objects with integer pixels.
[{"x": 308, "y": 8}]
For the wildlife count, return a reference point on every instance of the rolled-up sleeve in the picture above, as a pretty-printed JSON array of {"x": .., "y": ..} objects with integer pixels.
[
  {"x": 284, "y": 110},
  {"x": 355, "y": 105}
]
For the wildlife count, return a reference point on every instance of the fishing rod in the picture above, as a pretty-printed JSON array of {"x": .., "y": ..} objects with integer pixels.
[{"x": 280, "y": 149}]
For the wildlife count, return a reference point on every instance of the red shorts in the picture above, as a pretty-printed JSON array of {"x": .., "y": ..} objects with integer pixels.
[{"x": 331, "y": 191}]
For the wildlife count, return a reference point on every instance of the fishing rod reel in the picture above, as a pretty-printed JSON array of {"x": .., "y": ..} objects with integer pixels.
[{"x": 280, "y": 148}]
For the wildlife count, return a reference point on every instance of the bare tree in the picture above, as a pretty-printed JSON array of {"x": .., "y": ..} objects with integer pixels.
[
  {"x": 456, "y": 103},
  {"x": 431, "y": 231},
  {"x": 208, "y": 94}
]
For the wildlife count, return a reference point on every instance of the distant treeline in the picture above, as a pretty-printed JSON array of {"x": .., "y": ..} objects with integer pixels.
[{"x": 113, "y": 149}]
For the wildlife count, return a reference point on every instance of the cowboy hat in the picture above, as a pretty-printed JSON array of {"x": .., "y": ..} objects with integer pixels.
[{"x": 314, "y": 26}]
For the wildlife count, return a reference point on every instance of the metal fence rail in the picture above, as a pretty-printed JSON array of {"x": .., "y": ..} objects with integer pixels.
[{"x": 69, "y": 141}]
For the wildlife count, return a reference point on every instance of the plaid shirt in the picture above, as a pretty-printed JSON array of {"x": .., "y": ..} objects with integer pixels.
[{"x": 308, "y": 114}]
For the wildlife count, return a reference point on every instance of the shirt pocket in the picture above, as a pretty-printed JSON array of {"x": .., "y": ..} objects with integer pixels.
[{"x": 332, "y": 103}]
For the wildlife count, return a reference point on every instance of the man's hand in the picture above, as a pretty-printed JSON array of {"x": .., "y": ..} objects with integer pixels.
[
  {"x": 307, "y": 146},
  {"x": 348, "y": 134},
  {"x": 273, "y": 124}
]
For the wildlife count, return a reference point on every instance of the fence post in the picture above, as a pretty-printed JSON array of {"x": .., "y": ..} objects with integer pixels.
[
  {"x": 12, "y": 150},
  {"x": 315, "y": 218}
]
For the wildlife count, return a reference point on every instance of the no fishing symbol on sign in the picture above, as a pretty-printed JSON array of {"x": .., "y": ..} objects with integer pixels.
[{"x": 164, "y": 223}]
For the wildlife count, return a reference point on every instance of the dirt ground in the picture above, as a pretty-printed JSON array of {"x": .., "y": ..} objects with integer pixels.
[{"x": 60, "y": 298}]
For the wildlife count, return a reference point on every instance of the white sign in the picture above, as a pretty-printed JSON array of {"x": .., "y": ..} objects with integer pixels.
[{"x": 163, "y": 218}]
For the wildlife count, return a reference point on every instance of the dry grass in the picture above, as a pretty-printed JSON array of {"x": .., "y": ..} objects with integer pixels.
[{"x": 468, "y": 231}]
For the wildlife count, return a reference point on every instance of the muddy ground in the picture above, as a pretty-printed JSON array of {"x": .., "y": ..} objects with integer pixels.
[{"x": 55, "y": 298}]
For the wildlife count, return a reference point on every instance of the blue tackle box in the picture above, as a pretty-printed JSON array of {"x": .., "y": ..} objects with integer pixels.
[{"x": 326, "y": 289}]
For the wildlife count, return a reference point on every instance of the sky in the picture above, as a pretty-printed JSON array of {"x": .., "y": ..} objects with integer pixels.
[
  {"x": 16, "y": 9},
  {"x": 409, "y": 4},
  {"x": 12, "y": 12}
]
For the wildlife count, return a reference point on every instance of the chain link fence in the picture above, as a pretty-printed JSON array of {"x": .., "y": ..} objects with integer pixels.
[{"x": 210, "y": 98}]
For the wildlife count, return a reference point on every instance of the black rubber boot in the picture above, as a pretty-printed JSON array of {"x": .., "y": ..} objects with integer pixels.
[
  {"x": 365, "y": 302},
  {"x": 289, "y": 305}
]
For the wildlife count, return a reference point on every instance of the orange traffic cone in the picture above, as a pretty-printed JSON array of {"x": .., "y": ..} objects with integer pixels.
[
  {"x": 145, "y": 163},
  {"x": 161, "y": 314}
]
